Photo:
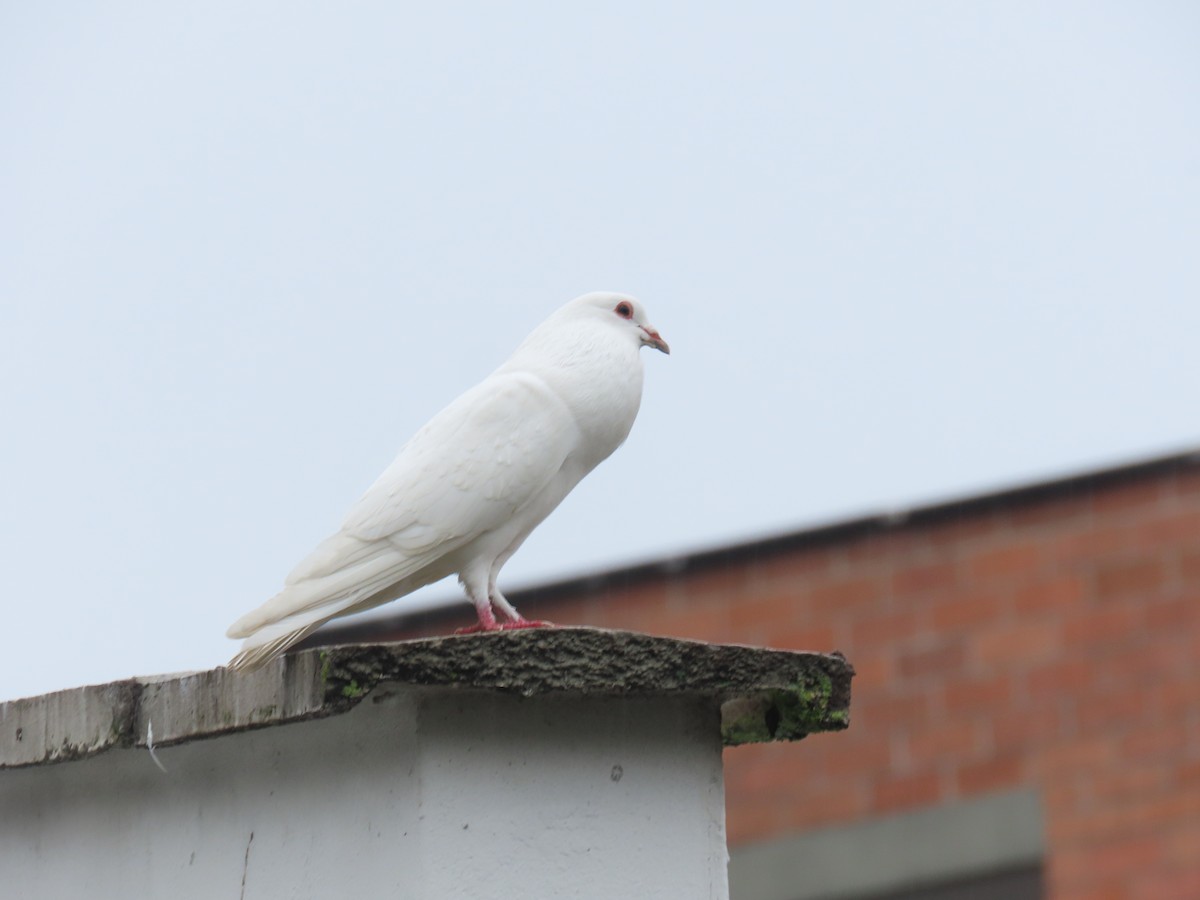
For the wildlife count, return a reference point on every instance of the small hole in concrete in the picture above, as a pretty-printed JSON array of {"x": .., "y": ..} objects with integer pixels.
[
  {"x": 771, "y": 719},
  {"x": 617, "y": 773}
]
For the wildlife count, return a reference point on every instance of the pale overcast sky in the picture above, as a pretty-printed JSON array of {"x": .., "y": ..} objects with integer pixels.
[{"x": 902, "y": 252}]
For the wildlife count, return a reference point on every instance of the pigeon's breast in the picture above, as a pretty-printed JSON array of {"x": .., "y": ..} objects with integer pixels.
[{"x": 603, "y": 391}]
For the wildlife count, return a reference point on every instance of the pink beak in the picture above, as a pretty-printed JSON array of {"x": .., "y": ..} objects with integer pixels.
[{"x": 654, "y": 339}]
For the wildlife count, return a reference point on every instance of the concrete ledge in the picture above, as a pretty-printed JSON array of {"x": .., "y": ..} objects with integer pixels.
[{"x": 763, "y": 695}]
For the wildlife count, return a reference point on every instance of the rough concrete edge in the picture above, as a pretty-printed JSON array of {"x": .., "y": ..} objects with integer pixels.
[
  {"x": 764, "y": 694},
  {"x": 784, "y": 696},
  {"x": 104, "y": 717}
]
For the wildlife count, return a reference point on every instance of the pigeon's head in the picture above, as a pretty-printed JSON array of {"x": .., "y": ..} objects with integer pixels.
[{"x": 623, "y": 312}]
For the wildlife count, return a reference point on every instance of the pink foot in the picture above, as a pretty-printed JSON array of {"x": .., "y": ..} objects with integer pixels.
[
  {"x": 480, "y": 627},
  {"x": 477, "y": 628}
]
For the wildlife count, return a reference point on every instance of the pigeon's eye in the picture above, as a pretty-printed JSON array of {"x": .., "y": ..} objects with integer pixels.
[{"x": 624, "y": 310}]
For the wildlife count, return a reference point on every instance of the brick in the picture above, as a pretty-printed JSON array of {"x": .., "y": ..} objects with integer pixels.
[
  {"x": 872, "y": 674},
  {"x": 1100, "y": 865},
  {"x": 1052, "y": 511},
  {"x": 732, "y": 583},
  {"x": 1018, "y": 645},
  {"x": 892, "y": 627},
  {"x": 1157, "y": 814},
  {"x": 704, "y": 623},
  {"x": 1093, "y": 629},
  {"x": 765, "y": 778},
  {"x": 968, "y": 528},
  {"x": 892, "y": 793},
  {"x": 753, "y": 819},
  {"x": 1136, "y": 577},
  {"x": 944, "y": 659},
  {"x": 761, "y": 615},
  {"x": 1067, "y": 760},
  {"x": 1181, "y": 847},
  {"x": 818, "y": 638},
  {"x": 854, "y": 759},
  {"x": 791, "y": 567},
  {"x": 1083, "y": 548},
  {"x": 1114, "y": 712},
  {"x": 1189, "y": 566},
  {"x": 1172, "y": 528},
  {"x": 1177, "y": 697},
  {"x": 1147, "y": 660},
  {"x": 1051, "y": 595},
  {"x": 848, "y": 593},
  {"x": 977, "y": 696},
  {"x": 822, "y": 808},
  {"x": 1061, "y": 677},
  {"x": 742, "y": 762},
  {"x": 1124, "y": 809},
  {"x": 1086, "y": 824},
  {"x": 1160, "y": 741},
  {"x": 1127, "y": 782},
  {"x": 884, "y": 711},
  {"x": 1025, "y": 730},
  {"x": 1138, "y": 497},
  {"x": 1181, "y": 611},
  {"x": 958, "y": 739},
  {"x": 1090, "y": 892},
  {"x": 968, "y": 611},
  {"x": 1180, "y": 884},
  {"x": 707, "y": 625},
  {"x": 923, "y": 579},
  {"x": 897, "y": 542},
  {"x": 1187, "y": 483},
  {"x": 1188, "y": 773},
  {"x": 987, "y": 775},
  {"x": 1007, "y": 561}
]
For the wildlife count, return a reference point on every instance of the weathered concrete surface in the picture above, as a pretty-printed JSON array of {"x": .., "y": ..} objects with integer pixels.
[
  {"x": 763, "y": 695},
  {"x": 417, "y": 793}
]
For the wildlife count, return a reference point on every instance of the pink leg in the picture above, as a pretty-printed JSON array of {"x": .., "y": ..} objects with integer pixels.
[{"x": 487, "y": 620}]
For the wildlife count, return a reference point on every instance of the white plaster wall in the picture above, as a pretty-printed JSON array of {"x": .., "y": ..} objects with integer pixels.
[{"x": 414, "y": 794}]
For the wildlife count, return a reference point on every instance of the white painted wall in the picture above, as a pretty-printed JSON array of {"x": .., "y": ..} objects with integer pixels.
[{"x": 415, "y": 793}]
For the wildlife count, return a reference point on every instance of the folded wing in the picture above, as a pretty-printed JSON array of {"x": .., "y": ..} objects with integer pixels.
[{"x": 472, "y": 468}]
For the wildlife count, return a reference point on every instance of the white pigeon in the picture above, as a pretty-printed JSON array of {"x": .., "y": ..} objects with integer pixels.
[{"x": 469, "y": 487}]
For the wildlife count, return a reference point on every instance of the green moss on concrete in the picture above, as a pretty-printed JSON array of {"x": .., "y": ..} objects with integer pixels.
[
  {"x": 785, "y": 714},
  {"x": 750, "y": 728},
  {"x": 352, "y": 691}
]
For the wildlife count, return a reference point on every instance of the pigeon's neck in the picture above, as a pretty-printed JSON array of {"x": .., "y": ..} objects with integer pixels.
[{"x": 596, "y": 374}]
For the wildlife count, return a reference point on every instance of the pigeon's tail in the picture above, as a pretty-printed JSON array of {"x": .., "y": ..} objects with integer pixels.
[
  {"x": 256, "y": 657},
  {"x": 265, "y": 641},
  {"x": 318, "y": 591}
]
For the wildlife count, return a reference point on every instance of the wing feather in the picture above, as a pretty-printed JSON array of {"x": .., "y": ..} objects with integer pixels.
[{"x": 475, "y": 465}]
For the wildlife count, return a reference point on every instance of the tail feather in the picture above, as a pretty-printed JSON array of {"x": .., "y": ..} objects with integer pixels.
[
  {"x": 325, "y": 592},
  {"x": 306, "y": 603},
  {"x": 251, "y": 658}
]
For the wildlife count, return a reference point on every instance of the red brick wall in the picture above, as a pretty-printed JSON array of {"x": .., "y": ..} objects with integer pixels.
[{"x": 1052, "y": 643}]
